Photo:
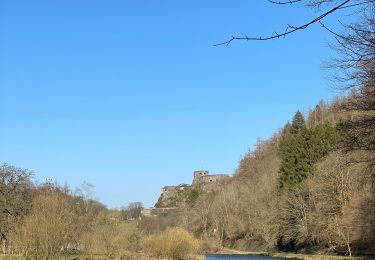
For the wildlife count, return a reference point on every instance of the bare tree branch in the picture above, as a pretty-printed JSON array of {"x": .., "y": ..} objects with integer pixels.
[
  {"x": 286, "y": 2},
  {"x": 289, "y": 30}
]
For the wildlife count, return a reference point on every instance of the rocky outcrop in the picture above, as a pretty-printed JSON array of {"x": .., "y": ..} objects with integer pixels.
[
  {"x": 173, "y": 196},
  {"x": 178, "y": 196}
]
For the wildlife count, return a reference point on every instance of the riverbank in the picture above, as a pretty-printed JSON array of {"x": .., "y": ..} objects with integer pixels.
[
  {"x": 295, "y": 256},
  {"x": 138, "y": 256},
  {"x": 141, "y": 256}
]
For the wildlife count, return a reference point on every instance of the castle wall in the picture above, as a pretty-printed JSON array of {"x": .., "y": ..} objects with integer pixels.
[
  {"x": 212, "y": 182},
  {"x": 214, "y": 178}
]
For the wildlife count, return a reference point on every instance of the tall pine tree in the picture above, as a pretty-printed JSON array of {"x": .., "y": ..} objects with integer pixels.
[
  {"x": 298, "y": 123},
  {"x": 301, "y": 148}
]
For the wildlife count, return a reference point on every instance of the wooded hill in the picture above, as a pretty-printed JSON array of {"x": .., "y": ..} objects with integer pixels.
[
  {"x": 302, "y": 189},
  {"x": 310, "y": 187}
]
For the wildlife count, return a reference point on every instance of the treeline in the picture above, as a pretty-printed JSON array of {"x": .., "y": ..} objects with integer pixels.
[
  {"x": 50, "y": 221},
  {"x": 305, "y": 189},
  {"x": 308, "y": 188}
]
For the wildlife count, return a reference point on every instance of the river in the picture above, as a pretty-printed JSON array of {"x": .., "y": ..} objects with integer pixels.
[{"x": 240, "y": 257}]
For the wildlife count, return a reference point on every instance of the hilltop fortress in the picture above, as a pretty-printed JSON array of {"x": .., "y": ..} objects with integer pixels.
[
  {"x": 209, "y": 182},
  {"x": 178, "y": 196}
]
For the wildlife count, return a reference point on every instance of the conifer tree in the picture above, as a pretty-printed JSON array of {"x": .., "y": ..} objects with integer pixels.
[
  {"x": 298, "y": 123},
  {"x": 300, "y": 148}
]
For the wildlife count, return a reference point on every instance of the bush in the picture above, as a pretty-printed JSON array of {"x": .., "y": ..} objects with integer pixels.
[
  {"x": 175, "y": 243},
  {"x": 110, "y": 238},
  {"x": 49, "y": 229}
]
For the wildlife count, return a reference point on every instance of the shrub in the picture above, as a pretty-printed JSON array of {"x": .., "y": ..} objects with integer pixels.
[
  {"x": 175, "y": 243},
  {"x": 49, "y": 229},
  {"x": 110, "y": 238}
]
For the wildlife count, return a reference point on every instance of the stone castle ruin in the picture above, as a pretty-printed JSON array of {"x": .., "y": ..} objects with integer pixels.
[
  {"x": 203, "y": 182},
  {"x": 209, "y": 182}
]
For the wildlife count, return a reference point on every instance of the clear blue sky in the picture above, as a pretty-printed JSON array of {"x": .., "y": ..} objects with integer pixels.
[{"x": 131, "y": 96}]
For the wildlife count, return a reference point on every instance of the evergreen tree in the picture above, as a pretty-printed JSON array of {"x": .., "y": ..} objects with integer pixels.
[
  {"x": 293, "y": 158},
  {"x": 322, "y": 139},
  {"x": 300, "y": 148},
  {"x": 298, "y": 123}
]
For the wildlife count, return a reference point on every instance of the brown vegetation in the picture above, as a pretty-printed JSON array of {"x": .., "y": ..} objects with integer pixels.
[
  {"x": 16, "y": 193},
  {"x": 175, "y": 243},
  {"x": 110, "y": 237},
  {"x": 49, "y": 230}
]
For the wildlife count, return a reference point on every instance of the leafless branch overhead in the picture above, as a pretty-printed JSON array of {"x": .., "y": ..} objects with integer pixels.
[
  {"x": 284, "y": 2},
  {"x": 290, "y": 29}
]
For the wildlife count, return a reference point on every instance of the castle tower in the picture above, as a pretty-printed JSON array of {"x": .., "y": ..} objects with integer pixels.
[{"x": 198, "y": 175}]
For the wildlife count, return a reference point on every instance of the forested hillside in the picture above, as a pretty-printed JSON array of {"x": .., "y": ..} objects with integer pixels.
[
  {"x": 302, "y": 189},
  {"x": 310, "y": 187}
]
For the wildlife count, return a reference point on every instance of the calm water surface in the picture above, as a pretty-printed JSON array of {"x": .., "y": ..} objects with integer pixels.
[{"x": 239, "y": 257}]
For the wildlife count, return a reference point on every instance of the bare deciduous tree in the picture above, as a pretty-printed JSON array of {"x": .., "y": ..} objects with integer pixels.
[
  {"x": 50, "y": 229},
  {"x": 15, "y": 198}
]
